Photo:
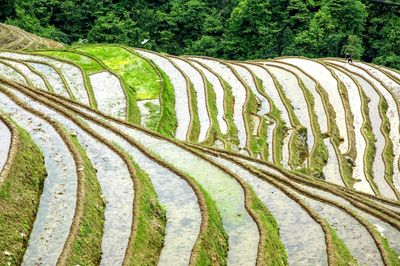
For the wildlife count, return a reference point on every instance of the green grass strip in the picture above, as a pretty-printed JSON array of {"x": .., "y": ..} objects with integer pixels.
[
  {"x": 149, "y": 238},
  {"x": 213, "y": 245},
  {"x": 89, "y": 65},
  {"x": 319, "y": 155},
  {"x": 168, "y": 122},
  {"x": 215, "y": 131},
  {"x": 195, "y": 122},
  {"x": 388, "y": 154},
  {"x": 346, "y": 168},
  {"x": 86, "y": 248},
  {"x": 19, "y": 198},
  {"x": 341, "y": 252},
  {"x": 274, "y": 252}
]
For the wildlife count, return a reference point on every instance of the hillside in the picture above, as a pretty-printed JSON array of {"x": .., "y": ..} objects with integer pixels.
[{"x": 117, "y": 155}]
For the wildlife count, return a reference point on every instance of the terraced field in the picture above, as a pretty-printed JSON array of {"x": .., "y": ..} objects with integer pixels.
[{"x": 115, "y": 155}]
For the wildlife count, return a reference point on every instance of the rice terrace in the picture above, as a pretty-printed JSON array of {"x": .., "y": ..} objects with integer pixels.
[{"x": 115, "y": 155}]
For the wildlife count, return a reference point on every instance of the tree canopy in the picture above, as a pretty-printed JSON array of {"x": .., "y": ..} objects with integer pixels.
[{"x": 233, "y": 29}]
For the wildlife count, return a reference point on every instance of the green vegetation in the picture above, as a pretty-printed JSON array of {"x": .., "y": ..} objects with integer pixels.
[
  {"x": 234, "y": 29},
  {"x": 342, "y": 253},
  {"x": 319, "y": 155},
  {"x": 274, "y": 252},
  {"x": 168, "y": 123},
  {"x": 89, "y": 65},
  {"x": 86, "y": 248},
  {"x": 19, "y": 198},
  {"x": 388, "y": 155},
  {"x": 149, "y": 237},
  {"x": 195, "y": 122},
  {"x": 138, "y": 76},
  {"x": 213, "y": 244},
  {"x": 154, "y": 115},
  {"x": 136, "y": 72}
]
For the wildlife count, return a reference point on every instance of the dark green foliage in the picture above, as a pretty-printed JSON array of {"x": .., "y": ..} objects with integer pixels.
[{"x": 234, "y": 29}]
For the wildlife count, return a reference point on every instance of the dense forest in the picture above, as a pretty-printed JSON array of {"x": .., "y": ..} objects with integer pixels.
[{"x": 233, "y": 29}]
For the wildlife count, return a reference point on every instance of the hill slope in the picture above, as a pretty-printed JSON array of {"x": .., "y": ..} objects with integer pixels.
[{"x": 157, "y": 159}]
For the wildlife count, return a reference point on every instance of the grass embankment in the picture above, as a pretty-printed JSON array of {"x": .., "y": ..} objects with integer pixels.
[
  {"x": 298, "y": 143},
  {"x": 258, "y": 141},
  {"x": 274, "y": 252},
  {"x": 138, "y": 76},
  {"x": 215, "y": 132},
  {"x": 19, "y": 197},
  {"x": 86, "y": 247},
  {"x": 346, "y": 169},
  {"x": 341, "y": 252},
  {"x": 370, "y": 151},
  {"x": 388, "y": 153},
  {"x": 212, "y": 246},
  {"x": 168, "y": 122},
  {"x": 280, "y": 128},
  {"x": 319, "y": 154},
  {"x": 89, "y": 65},
  {"x": 194, "y": 122},
  {"x": 149, "y": 238}
]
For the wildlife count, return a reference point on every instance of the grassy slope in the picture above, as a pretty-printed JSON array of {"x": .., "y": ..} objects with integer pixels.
[
  {"x": 319, "y": 155},
  {"x": 19, "y": 198},
  {"x": 274, "y": 252},
  {"x": 195, "y": 122},
  {"x": 136, "y": 72},
  {"x": 89, "y": 65},
  {"x": 86, "y": 249},
  {"x": 150, "y": 232},
  {"x": 342, "y": 253},
  {"x": 139, "y": 78},
  {"x": 168, "y": 122}
]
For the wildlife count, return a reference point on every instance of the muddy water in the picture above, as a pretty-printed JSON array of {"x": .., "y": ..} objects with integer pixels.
[
  {"x": 52, "y": 77},
  {"x": 302, "y": 237},
  {"x": 270, "y": 89},
  {"x": 361, "y": 145},
  {"x": 219, "y": 96},
  {"x": 183, "y": 212},
  {"x": 329, "y": 83},
  {"x": 296, "y": 97},
  {"x": 223, "y": 189},
  {"x": 57, "y": 202},
  {"x": 386, "y": 230},
  {"x": 116, "y": 184},
  {"x": 5, "y": 141},
  {"x": 36, "y": 80},
  {"x": 311, "y": 86},
  {"x": 238, "y": 92},
  {"x": 198, "y": 85},
  {"x": 332, "y": 169},
  {"x": 355, "y": 236},
  {"x": 376, "y": 123},
  {"x": 181, "y": 94},
  {"x": 71, "y": 73},
  {"x": 109, "y": 94},
  {"x": 11, "y": 74},
  {"x": 248, "y": 78},
  {"x": 391, "y": 72},
  {"x": 392, "y": 114}
]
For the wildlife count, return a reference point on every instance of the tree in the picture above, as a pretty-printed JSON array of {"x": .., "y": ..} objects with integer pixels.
[
  {"x": 112, "y": 29},
  {"x": 250, "y": 31}
]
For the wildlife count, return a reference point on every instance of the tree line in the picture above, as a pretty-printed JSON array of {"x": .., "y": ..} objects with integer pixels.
[{"x": 231, "y": 29}]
